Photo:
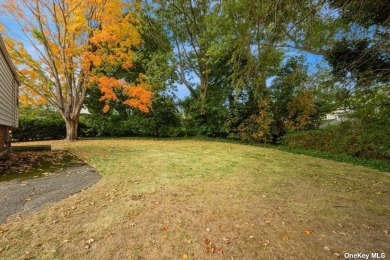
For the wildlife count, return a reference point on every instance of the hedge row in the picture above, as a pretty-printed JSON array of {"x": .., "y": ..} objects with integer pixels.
[
  {"x": 366, "y": 140},
  {"x": 39, "y": 128},
  {"x": 40, "y": 124}
]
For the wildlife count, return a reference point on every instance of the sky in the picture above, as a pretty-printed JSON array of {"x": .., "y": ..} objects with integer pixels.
[{"x": 182, "y": 91}]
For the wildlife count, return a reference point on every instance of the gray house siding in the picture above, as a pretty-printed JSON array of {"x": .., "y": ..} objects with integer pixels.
[
  {"x": 9, "y": 86},
  {"x": 8, "y": 89}
]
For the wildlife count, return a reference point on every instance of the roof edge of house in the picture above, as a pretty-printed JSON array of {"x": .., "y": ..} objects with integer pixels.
[{"x": 5, "y": 53}]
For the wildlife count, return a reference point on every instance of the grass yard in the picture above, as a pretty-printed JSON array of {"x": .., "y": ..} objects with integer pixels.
[{"x": 207, "y": 200}]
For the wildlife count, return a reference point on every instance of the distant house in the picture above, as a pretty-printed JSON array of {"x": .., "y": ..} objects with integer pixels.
[
  {"x": 335, "y": 117},
  {"x": 9, "y": 86},
  {"x": 338, "y": 114}
]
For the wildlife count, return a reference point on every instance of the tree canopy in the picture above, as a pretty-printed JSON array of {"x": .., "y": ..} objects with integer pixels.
[{"x": 255, "y": 70}]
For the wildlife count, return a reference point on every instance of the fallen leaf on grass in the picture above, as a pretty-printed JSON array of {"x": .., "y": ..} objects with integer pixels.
[
  {"x": 2, "y": 230},
  {"x": 286, "y": 237},
  {"x": 163, "y": 228},
  {"x": 266, "y": 243},
  {"x": 219, "y": 250},
  {"x": 308, "y": 231},
  {"x": 226, "y": 240},
  {"x": 211, "y": 248},
  {"x": 366, "y": 226},
  {"x": 184, "y": 257},
  {"x": 88, "y": 243}
]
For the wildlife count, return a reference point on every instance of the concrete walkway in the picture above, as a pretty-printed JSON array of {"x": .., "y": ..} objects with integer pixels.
[{"x": 22, "y": 197}]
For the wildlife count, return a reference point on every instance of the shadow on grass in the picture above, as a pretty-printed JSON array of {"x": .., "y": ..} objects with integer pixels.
[{"x": 35, "y": 164}]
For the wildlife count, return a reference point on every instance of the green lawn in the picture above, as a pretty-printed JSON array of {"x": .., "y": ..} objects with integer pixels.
[{"x": 201, "y": 199}]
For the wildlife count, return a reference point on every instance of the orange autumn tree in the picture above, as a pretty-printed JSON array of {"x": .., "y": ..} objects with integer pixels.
[{"x": 65, "y": 47}]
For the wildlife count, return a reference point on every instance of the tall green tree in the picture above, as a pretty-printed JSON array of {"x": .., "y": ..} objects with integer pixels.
[
  {"x": 188, "y": 26},
  {"x": 289, "y": 84},
  {"x": 263, "y": 32},
  {"x": 360, "y": 58}
]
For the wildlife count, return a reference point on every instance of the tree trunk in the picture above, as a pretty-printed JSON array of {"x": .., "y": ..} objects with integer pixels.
[{"x": 71, "y": 129}]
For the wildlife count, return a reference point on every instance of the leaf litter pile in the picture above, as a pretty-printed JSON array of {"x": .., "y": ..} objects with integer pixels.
[
  {"x": 34, "y": 164},
  {"x": 203, "y": 200}
]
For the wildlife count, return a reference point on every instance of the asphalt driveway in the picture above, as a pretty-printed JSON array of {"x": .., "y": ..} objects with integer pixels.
[{"x": 22, "y": 197}]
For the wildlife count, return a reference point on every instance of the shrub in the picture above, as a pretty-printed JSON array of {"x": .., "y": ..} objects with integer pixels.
[
  {"x": 257, "y": 127},
  {"x": 352, "y": 137},
  {"x": 163, "y": 121},
  {"x": 39, "y": 124}
]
